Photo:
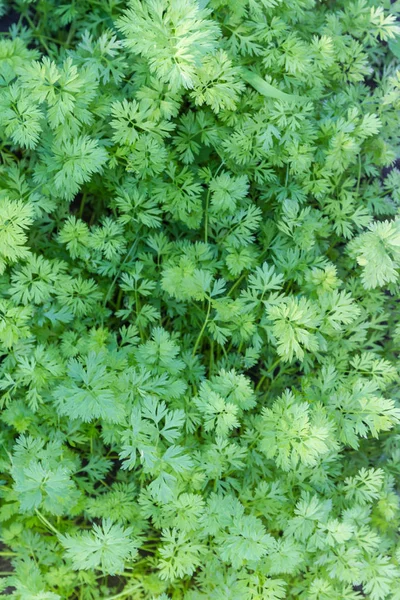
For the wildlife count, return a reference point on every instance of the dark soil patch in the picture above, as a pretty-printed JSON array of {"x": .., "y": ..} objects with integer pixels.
[{"x": 5, "y": 566}]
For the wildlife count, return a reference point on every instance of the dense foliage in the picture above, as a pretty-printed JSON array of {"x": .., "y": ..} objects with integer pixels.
[{"x": 199, "y": 299}]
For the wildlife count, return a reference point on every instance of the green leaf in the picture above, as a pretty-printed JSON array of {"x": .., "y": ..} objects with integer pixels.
[
  {"x": 263, "y": 87},
  {"x": 106, "y": 547}
]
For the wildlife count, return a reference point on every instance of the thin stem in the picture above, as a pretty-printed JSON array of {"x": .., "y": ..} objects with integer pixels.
[
  {"x": 127, "y": 256},
  {"x": 119, "y": 298},
  {"x": 70, "y": 35},
  {"x": 211, "y": 363},
  {"x": 207, "y": 204},
  {"x": 38, "y": 34},
  {"x": 229, "y": 348},
  {"x": 359, "y": 173},
  {"x": 46, "y": 522},
  {"x": 82, "y": 205},
  {"x": 224, "y": 351},
  {"x": 260, "y": 382},
  {"x": 105, "y": 484},
  {"x": 237, "y": 283},
  {"x": 137, "y": 307},
  {"x": 263, "y": 378},
  {"x": 124, "y": 593},
  {"x": 8, "y": 553},
  {"x": 203, "y": 328},
  {"x": 206, "y": 216}
]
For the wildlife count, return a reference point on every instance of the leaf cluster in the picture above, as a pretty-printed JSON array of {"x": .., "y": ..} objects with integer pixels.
[{"x": 199, "y": 315}]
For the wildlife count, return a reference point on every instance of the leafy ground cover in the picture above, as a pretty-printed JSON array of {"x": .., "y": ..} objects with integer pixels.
[{"x": 199, "y": 300}]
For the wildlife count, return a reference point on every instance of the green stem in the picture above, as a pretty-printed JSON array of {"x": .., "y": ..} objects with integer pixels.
[
  {"x": 263, "y": 378},
  {"x": 37, "y": 33},
  {"x": 123, "y": 593},
  {"x": 207, "y": 204},
  {"x": 236, "y": 283},
  {"x": 203, "y": 328},
  {"x": 211, "y": 363},
  {"x": 206, "y": 217},
  {"x": 137, "y": 307},
  {"x": 127, "y": 256},
  {"x": 224, "y": 351},
  {"x": 8, "y": 553},
  {"x": 229, "y": 348},
  {"x": 71, "y": 33},
  {"x": 260, "y": 382},
  {"x": 119, "y": 298},
  {"x": 82, "y": 206},
  {"x": 46, "y": 522},
  {"x": 359, "y": 173}
]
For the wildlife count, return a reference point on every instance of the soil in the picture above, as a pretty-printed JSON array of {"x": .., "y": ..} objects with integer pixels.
[{"x": 5, "y": 566}]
